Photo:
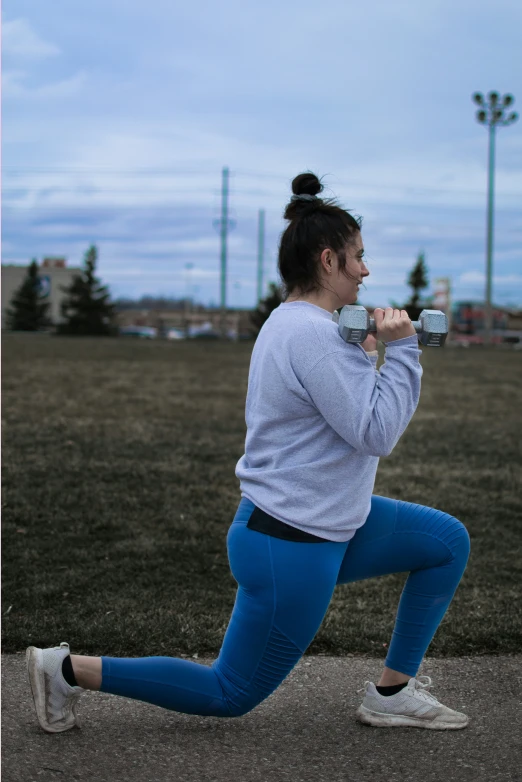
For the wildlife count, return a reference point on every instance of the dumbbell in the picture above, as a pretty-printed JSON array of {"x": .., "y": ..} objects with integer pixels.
[{"x": 355, "y": 324}]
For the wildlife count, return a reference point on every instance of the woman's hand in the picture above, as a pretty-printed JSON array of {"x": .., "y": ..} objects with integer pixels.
[{"x": 392, "y": 324}]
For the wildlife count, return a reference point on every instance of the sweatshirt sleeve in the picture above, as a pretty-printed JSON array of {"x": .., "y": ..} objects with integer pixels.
[
  {"x": 370, "y": 410},
  {"x": 373, "y": 355}
]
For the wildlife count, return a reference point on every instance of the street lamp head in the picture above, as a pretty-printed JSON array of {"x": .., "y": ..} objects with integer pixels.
[
  {"x": 478, "y": 98},
  {"x": 497, "y": 114},
  {"x": 481, "y": 116},
  {"x": 512, "y": 117},
  {"x": 493, "y": 98},
  {"x": 508, "y": 100}
]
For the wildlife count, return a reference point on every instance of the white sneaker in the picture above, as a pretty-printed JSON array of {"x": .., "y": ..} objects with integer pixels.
[
  {"x": 413, "y": 707},
  {"x": 54, "y": 700}
]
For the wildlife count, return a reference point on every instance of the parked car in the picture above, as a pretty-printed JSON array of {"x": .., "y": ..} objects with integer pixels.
[
  {"x": 144, "y": 332},
  {"x": 203, "y": 331},
  {"x": 206, "y": 335},
  {"x": 175, "y": 334}
]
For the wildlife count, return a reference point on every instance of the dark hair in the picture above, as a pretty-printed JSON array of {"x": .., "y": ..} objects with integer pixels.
[{"x": 315, "y": 224}]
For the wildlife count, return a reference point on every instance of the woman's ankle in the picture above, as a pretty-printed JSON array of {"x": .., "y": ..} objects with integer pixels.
[
  {"x": 87, "y": 671},
  {"x": 390, "y": 678}
]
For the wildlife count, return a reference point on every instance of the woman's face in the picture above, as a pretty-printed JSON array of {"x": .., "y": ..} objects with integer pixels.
[{"x": 349, "y": 279}]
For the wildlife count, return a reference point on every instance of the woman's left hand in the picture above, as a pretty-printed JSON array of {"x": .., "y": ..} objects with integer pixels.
[{"x": 370, "y": 343}]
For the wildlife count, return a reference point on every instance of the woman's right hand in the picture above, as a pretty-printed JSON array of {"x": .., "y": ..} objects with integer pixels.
[{"x": 393, "y": 324}]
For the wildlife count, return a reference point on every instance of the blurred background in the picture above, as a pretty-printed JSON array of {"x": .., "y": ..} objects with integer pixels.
[{"x": 167, "y": 137}]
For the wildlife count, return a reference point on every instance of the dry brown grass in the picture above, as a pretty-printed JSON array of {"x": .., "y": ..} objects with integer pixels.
[{"x": 119, "y": 488}]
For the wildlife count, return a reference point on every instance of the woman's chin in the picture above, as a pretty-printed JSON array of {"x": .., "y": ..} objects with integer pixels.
[{"x": 352, "y": 299}]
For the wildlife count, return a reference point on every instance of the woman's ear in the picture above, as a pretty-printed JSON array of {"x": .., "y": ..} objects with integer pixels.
[{"x": 326, "y": 260}]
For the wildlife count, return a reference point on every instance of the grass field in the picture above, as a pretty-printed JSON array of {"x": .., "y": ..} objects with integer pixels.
[{"x": 119, "y": 487}]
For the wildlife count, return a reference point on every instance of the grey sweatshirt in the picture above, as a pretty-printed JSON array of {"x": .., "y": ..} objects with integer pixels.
[{"x": 319, "y": 415}]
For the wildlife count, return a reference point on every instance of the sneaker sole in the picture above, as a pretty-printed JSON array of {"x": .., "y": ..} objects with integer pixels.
[
  {"x": 34, "y": 660},
  {"x": 379, "y": 720}
]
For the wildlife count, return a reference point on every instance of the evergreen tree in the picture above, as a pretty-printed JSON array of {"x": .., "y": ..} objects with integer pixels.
[
  {"x": 28, "y": 310},
  {"x": 417, "y": 280},
  {"x": 264, "y": 308},
  {"x": 87, "y": 308}
]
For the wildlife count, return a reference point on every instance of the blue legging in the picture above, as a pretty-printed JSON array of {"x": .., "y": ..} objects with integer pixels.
[{"x": 284, "y": 591}]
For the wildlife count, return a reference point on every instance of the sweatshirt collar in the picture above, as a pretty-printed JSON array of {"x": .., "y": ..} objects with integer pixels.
[{"x": 287, "y": 305}]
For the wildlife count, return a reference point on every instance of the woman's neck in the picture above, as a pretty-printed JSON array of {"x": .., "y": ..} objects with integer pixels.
[{"x": 323, "y": 301}]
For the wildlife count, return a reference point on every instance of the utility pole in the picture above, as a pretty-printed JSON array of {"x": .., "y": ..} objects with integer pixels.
[
  {"x": 260, "y": 253},
  {"x": 224, "y": 224},
  {"x": 188, "y": 267},
  {"x": 224, "y": 234},
  {"x": 491, "y": 114}
]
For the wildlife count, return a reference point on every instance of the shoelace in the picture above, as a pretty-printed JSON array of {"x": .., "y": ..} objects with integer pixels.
[{"x": 421, "y": 688}]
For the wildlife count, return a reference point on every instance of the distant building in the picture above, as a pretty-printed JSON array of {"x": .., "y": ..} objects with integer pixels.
[
  {"x": 469, "y": 323},
  {"x": 237, "y": 321},
  {"x": 468, "y": 317},
  {"x": 53, "y": 273}
]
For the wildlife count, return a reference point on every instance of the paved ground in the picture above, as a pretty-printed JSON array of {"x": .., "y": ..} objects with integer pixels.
[{"x": 304, "y": 732}]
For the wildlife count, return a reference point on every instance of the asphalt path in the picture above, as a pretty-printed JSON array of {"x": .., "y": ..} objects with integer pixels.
[{"x": 304, "y": 732}]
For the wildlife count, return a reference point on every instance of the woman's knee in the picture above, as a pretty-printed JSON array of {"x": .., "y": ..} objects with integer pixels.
[
  {"x": 238, "y": 695},
  {"x": 437, "y": 524},
  {"x": 456, "y": 538},
  {"x": 240, "y": 709},
  {"x": 238, "y": 706}
]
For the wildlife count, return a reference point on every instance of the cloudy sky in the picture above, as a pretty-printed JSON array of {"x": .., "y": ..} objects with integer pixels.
[{"x": 119, "y": 116}]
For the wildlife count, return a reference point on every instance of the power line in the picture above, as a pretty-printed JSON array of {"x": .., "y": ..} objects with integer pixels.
[
  {"x": 239, "y": 173},
  {"x": 93, "y": 191}
]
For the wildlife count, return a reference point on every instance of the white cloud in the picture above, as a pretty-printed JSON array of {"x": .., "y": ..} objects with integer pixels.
[
  {"x": 163, "y": 274},
  {"x": 13, "y": 86},
  {"x": 12, "y": 83},
  {"x": 19, "y": 40},
  {"x": 22, "y": 46},
  {"x": 479, "y": 278}
]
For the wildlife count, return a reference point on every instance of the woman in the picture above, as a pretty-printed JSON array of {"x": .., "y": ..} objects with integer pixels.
[{"x": 319, "y": 415}]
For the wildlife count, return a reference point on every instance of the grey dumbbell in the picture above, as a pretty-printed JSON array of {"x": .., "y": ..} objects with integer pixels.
[{"x": 355, "y": 324}]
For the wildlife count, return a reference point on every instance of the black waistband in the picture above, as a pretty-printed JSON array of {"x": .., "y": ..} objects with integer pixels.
[{"x": 263, "y": 522}]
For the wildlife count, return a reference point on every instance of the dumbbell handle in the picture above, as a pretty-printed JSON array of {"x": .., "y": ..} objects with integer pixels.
[
  {"x": 415, "y": 323},
  {"x": 431, "y": 340}
]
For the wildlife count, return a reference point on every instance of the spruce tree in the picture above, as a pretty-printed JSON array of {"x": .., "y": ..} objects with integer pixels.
[
  {"x": 417, "y": 280},
  {"x": 87, "y": 308},
  {"x": 28, "y": 310},
  {"x": 264, "y": 308}
]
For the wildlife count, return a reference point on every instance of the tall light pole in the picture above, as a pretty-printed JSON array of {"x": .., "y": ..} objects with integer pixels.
[
  {"x": 260, "y": 253},
  {"x": 224, "y": 232},
  {"x": 223, "y": 224},
  {"x": 188, "y": 267},
  {"x": 237, "y": 287},
  {"x": 491, "y": 113}
]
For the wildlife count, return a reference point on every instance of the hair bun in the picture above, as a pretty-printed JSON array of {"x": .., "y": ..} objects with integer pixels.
[{"x": 306, "y": 184}]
